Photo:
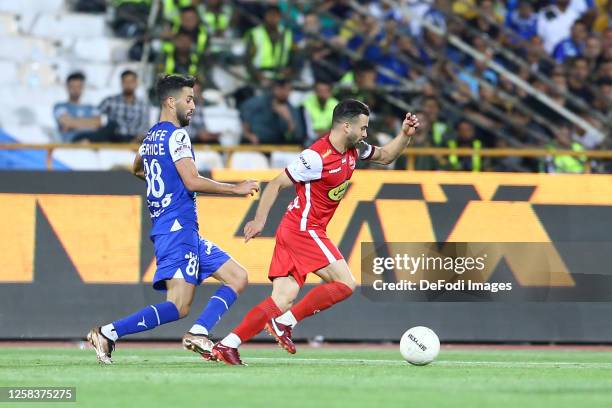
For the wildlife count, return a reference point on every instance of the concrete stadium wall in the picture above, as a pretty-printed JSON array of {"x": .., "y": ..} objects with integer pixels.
[{"x": 75, "y": 253}]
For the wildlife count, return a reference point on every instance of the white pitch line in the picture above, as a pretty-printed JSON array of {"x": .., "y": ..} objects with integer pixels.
[{"x": 398, "y": 362}]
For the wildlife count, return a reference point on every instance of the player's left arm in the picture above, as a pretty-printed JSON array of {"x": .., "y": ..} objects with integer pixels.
[
  {"x": 388, "y": 153},
  {"x": 137, "y": 167}
]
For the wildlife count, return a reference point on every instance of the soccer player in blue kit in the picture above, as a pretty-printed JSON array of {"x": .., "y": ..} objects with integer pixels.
[{"x": 184, "y": 259}]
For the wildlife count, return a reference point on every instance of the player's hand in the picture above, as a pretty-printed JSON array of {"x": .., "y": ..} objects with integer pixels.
[
  {"x": 252, "y": 229},
  {"x": 410, "y": 125},
  {"x": 246, "y": 188}
]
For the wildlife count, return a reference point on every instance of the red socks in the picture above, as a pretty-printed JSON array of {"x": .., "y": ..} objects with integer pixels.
[
  {"x": 320, "y": 298},
  {"x": 256, "y": 319}
]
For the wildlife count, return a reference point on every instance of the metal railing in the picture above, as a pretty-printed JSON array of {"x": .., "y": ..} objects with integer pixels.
[{"x": 411, "y": 153}]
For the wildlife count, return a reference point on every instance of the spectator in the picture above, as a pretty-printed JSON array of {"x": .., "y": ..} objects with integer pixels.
[
  {"x": 466, "y": 137},
  {"x": 523, "y": 20},
  {"x": 191, "y": 24},
  {"x": 385, "y": 52},
  {"x": 422, "y": 139},
  {"x": 578, "y": 79},
  {"x": 319, "y": 108},
  {"x": 271, "y": 119},
  {"x": 564, "y": 163},
  {"x": 592, "y": 52},
  {"x": 180, "y": 57},
  {"x": 197, "y": 127},
  {"x": 127, "y": 116},
  {"x": 438, "y": 128},
  {"x": 73, "y": 117},
  {"x": 555, "y": 22},
  {"x": 572, "y": 46},
  {"x": 269, "y": 49},
  {"x": 172, "y": 10},
  {"x": 323, "y": 60},
  {"x": 217, "y": 16}
]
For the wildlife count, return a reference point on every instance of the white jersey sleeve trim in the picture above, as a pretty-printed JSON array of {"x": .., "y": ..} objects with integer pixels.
[
  {"x": 308, "y": 166},
  {"x": 180, "y": 145}
]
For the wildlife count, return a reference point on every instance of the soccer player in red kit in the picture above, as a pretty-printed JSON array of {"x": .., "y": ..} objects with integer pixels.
[{"x": 321, "y": 175}]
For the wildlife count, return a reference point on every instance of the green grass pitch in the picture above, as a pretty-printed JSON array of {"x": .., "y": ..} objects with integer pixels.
[{"x": 320, "y": 378}]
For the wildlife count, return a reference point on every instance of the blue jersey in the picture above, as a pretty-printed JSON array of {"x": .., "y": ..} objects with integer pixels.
[{"x": 172, "y": 207}]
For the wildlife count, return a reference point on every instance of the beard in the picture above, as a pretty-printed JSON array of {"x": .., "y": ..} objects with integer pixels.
[{"x": 183, "y": 118}]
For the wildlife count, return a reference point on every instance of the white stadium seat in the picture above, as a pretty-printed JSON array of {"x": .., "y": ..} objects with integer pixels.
[
  {"x": 37, "y": 74},
  {"x": 249, "y": 161},
  {"x": 116, "y": 158},
  {"x": 224, "y": 120},
  {"x": 9, "y": 72},
  {"x": 27, "y": 133},
  {"x": 208, "y": 160},
  {"x": 77, "y": 159},
  {"x": 8, "y": 24},
  {"x": 31, "y": 6},
  {"x": 61, "y": 25},
  {"x": 101, "y": 49},
  {"x": 26, "y": 49},
  {"x": 97, "y": 75},
  {"x": 280, "y": 160}
]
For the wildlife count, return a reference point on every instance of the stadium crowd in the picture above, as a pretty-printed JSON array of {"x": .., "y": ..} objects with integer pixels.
[{"x": 549, "y": 84}]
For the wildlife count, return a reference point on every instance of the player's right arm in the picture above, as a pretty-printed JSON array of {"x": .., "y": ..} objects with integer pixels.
[
  {"x": 194, "y": 182},
  {"x": 268, "y": 197},
  {"x": 308, "y": 166}
]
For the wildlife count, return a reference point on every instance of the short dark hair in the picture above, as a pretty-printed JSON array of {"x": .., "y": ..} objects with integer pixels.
[
  {"x": 75, "y": 76},
  {"x": 168, "y": 85},
  {"x": 128, "y": 72},
  {"x": 190, "y": 9},
  {"x": 363, "y": 66},
  {"x": 349, "y": 109}
]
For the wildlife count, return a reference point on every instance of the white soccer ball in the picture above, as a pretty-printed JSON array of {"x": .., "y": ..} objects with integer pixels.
[{"x": 419, "y": 345}]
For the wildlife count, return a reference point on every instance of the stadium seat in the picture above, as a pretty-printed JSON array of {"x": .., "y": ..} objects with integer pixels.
[
  {"x": 101, "y": 49},
  {"x": 97, "y": 75},
  {"x": 280, "y": 160},
  {"x": 115, "y": 158},
  {"x": 37, "y": 74},
  {"x": 61, "y": 25},
  {"x": 8, "y": 24},
  {"x": 224, "y": 120},
  {"x": 31, "y": 6},
  {"x": 26, "y": 49},
  {"x": 208, "y": 160},
  {"x": 27, "y": 133},
  {"x": 77, "y": 159},
  {"x": 248, "y": 160},
  {"x": 9, "y": 73}
]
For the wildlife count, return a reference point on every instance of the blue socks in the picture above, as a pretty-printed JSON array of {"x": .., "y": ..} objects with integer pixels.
[
  {"x": 146, "y": 319},
  {"x": 155, "y": 315},
  {"x": 218, "y": 304}
]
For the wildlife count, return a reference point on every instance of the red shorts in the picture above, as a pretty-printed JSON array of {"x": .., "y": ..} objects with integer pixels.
[{"x": 298, "y": 253}]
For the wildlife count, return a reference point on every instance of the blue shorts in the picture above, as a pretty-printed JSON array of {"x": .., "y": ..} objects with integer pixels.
[{"x": 185, "y": 255}]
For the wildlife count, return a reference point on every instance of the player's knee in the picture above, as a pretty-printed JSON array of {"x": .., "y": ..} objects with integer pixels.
[
  {"x": 183, "y": 308},
  {"x": 238, "y": 280},
  {"x": 283, "y": 302}
]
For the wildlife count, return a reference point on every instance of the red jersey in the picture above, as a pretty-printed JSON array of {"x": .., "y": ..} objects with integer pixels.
[{"x": 321, "y": 176}]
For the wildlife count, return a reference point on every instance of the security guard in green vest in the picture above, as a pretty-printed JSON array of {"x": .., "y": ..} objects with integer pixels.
[
  {"x": 319, "y": 106},
  {"x": 172, "y": 10},
  {"x": 269, "y": 48},
  {"x": 217, "y": 17},
  {"x": 190, "y": 23},
  {"x": 466, "y": 137},
  {"x": 439, "y": 129},
  {"x": 565, "y": 163},
  {"x": 180, "y": 56}
]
